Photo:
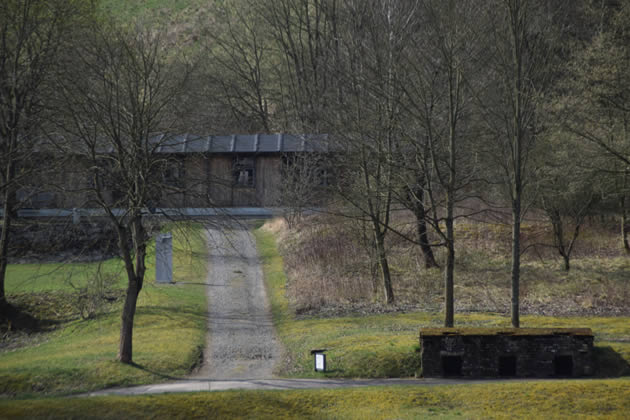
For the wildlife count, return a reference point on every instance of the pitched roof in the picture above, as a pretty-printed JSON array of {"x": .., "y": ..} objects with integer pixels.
[
  {"x": 192, "y": 143},
  {"x": 242, "y": 143}
]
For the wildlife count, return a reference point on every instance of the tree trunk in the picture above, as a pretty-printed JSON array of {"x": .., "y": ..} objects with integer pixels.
[
  {"x": 625, "y": 226},
  {"x": 421, "y": 225},
  {"x": 558, "y": 234},
  {"x": 135, "y": 277},
  {"x": 125, "y": 352},
  {"x": 8, "y": 214},
  {"x": 454, "y": 89},
  {"x": 449, "y": 273},
  {"x": 382, "y": 260},
  {"x": 4, "y": 251},
  {"x": 516, "y": 259},
  {"x": 517, "y": 20}
]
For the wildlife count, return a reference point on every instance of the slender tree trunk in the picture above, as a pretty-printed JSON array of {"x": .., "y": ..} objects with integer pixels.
[
  {"x": 624, "y": 212},
  {"x": 450, "y": 204},
  {"x": 517, "y": 26},
  {"x": 423, "y": 239},
  {"x": 135, "y": 276},
  {"x": 7, "y": 218},
  {"x": 449, "y": 273},
  {"x": 421, "y": 225},
  {"x": 4, "y": 250},
  {"x": 125, "y": 350},
  {"x": 382, "y": 260},
  {"x": 625, "y": 226},
  {"x": 558, "y": 236},
  {"x": 516, "y": 259},
  {"x": 140, "y": 249}
]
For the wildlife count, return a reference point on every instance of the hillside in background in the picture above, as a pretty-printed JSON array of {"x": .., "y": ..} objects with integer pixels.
[{"x": 183, "y": 21}]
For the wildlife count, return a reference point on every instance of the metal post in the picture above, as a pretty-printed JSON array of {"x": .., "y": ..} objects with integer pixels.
[
  {"x": 76, "y": 216},
  {"x": 164, "y": 258}
]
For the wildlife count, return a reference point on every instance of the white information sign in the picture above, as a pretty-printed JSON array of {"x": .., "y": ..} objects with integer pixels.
[{"x": 320, "y": 362}]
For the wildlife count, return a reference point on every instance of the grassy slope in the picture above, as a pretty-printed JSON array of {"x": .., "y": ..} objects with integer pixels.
[
  {"x": 571, "y": 399},
  {"x": 328, "y": 266},
  {"x": 29, "y": 278},
  {"x": 385, "y": 345},
  {"x": 79, "y": 355}
]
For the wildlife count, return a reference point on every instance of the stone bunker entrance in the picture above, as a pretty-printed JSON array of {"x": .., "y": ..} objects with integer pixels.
[{"x": 506, "y": 352}]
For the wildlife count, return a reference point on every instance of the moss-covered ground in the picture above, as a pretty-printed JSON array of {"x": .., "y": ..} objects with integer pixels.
[{"x": 74, "y": 354}]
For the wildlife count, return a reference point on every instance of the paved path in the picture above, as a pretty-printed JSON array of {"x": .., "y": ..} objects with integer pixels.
[
  {"x": 286, "y": 384},
  {"x": 241, "y": 342}
]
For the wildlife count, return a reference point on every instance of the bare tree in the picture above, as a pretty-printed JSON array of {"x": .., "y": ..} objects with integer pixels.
[
  {"x": 597, "y": 102},
  {"x": 415, "y": 170},
  {"x": 335, "y": 74},
  {"x": 368, "y": 132},
  {"x": 304, "y": 178},
  {"x": 240, "y": 60},
  {"x": 567, "y": 192},
  {"x": 32, "y": 37},
  {"x": 522, "y": 68},
  {"x": 307, "y": 40},
  {"x": 124, "y": 96},
  {"x": 442, "y": 67},
  {"x": 341, "y": 73}
]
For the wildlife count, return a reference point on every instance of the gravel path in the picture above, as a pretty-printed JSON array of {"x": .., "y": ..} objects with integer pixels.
[{"x": 242, "y": 342}]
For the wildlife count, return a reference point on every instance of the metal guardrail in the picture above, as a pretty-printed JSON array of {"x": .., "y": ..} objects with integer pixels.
[{"x": 262, "y": 212}]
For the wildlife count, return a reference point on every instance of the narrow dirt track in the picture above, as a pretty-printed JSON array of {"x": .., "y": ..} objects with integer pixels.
[{"x": 241, "y": 340}]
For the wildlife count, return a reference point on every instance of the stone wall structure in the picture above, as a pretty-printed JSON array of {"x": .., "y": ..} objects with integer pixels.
[{"x": 506, "y": 352}]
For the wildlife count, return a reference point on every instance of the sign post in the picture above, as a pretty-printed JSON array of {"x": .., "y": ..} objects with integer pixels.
[{"x": 319, "y": 359}]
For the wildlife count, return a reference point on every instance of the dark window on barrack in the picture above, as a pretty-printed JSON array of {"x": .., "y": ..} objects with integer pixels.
[{"x": 243, "y": 171}]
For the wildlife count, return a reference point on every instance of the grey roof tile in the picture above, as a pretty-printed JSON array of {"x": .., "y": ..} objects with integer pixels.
[
  {"x": 245, "y": 143},
  {"x": 269, "y": 142},
  {"x": 174, "y": 144},
  {"x": 293, "y": 143},
  {"x": 221, "y": 144},
  {"x": 197, "y": 144}
]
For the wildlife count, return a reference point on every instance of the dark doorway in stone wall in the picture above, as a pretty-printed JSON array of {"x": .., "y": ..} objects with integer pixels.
[
  {"x": 507, "y": 366},
  {"x": 563, "y": 365},
  {"x": 452, "y": 365}
]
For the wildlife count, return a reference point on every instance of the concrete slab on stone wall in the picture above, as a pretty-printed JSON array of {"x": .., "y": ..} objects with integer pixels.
[{"x": 506, "y": 352}]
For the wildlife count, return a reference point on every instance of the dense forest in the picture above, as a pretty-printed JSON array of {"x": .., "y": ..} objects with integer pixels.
[{"x": 458, "y": 109}]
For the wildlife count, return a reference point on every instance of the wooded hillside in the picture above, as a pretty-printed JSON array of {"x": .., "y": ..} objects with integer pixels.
[{"x": 491, "y": 110}]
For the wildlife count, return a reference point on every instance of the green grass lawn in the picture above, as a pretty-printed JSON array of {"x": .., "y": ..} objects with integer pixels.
[
  {"x": 29, "y": 278},
  {"x": 79, "y": 354},
  {"x": 386, "y": 345},
  {"x": 535, "y": 399}
]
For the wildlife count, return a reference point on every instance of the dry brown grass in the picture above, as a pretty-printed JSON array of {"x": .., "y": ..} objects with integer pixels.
[{"x": 328, "y": 266}]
